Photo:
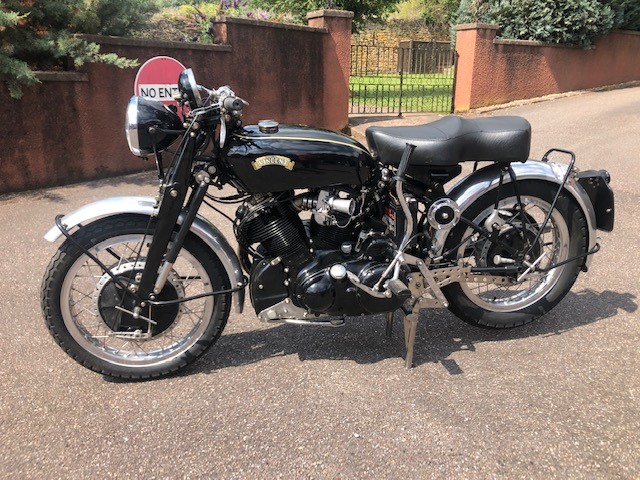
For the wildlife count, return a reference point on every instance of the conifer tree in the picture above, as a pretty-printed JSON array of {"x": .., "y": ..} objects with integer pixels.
[{"x": 40, "y": 35}]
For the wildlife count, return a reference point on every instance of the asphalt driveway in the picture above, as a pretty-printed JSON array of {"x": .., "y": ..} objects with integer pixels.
[{"x": 559, "y": 398}]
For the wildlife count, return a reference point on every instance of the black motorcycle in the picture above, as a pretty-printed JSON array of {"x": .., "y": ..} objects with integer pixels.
[{"x": 143, "y": 286}]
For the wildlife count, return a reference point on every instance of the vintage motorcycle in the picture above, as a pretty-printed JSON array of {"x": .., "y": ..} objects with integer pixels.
[{"x": 143, "y": 286}]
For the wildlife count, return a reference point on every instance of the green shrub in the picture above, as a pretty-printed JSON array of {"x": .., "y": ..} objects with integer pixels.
[
  {"x": 570, "y": 22},
  {"x": 469, "y": 11},
  {"x": 363, "y": 10},
  {"x": 16, "y": 73},
  {"x": 626, "y": 13},
  {"x": 438, "y": 14},
  {"x": 574, "y": 22},
  {"x": 39, "y": 35},
  {"x": 114, "y": 17},
  {"x": 192, "y": 21}
]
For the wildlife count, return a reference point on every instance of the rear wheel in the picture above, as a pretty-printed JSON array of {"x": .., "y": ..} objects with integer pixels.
[
  {"x": 507, "y": 305},
  {"x": 85, "y": 309}
]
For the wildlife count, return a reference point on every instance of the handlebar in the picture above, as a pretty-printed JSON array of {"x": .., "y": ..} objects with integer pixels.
[{"x": 232, "y": 103}]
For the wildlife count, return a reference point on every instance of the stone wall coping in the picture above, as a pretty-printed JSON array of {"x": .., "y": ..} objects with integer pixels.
[
  {"x": 329, "y": 13},
  {"x": 144, "y": 42},
  {"x": 62, "y": 76},
  {"x": 264, "y": 23},
  {"x": 477, "y": 26},
  {"x": 627, "y": 32},
  {"x": 531, "y": 43}
]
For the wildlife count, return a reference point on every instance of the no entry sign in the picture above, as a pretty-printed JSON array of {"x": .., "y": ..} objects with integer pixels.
[{"x": 157, "y": 79}]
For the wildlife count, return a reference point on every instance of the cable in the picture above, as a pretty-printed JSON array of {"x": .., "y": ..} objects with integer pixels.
[
  {"x": 219, "y": 211},
  {"x": 239, "y": 198},
  {"x": 163, "y": 303},
  {"x": 65, "y": 232},
  {"x": 105, "y": 269}
]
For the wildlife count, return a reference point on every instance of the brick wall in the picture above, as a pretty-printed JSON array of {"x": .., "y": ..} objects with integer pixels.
[
  {"x": 492, "y": 71},
  {"x": 71, "y": 126}
]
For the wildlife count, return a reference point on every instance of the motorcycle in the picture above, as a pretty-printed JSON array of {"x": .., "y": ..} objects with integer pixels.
[{"x": 326, "y": 229}]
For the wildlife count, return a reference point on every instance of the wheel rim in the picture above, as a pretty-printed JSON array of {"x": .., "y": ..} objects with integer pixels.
[
  {"x": 85, "y": 280},
  {"x": 553, "y": 247}
]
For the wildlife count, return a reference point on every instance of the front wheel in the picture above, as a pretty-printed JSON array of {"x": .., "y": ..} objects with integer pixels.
[
  {"x": 85, "y": 309},
  {"x": 565, "y": 236}
]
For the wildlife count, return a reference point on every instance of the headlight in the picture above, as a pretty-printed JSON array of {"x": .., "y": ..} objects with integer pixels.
[
  {"x": 189, "y": 88},
  {"x": 142, "y": 114}
]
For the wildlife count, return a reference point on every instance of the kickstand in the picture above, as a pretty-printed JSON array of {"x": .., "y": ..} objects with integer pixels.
[
  {"x": 389, "y": 326},
  {"x": 410, "y": 327}
]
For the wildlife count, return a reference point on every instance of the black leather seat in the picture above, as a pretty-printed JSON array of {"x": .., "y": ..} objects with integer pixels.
[{"x": 452, "y": 140}]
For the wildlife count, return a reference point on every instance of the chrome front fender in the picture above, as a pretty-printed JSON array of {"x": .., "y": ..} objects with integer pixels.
[
  {"x": 201, "y": 228},
  {"x": 472, "y": 187}
]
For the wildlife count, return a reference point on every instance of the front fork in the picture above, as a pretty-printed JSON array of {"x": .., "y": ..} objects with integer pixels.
[{"x": 159, "y": 261}]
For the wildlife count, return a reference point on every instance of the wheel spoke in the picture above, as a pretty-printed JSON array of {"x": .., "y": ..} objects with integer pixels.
[
  {"x": 510, "y": 297},
  {"x": 82, "y": 297}
]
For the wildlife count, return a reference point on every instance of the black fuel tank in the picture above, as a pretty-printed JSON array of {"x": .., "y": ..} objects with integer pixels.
[{"x": 295, "y": 156}]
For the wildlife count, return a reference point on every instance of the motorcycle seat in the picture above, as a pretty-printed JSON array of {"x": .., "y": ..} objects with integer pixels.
[{"x": 452, "y": 140}]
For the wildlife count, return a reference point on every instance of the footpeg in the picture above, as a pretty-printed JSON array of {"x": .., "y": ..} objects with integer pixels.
[{"x": 399, "y": 289}]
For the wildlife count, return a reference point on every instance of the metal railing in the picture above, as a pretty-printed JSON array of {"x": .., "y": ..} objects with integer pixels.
[{"x": 413, "y": 77}]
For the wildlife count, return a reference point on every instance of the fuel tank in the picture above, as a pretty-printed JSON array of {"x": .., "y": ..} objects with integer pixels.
[{"x": 294, "y": 156}]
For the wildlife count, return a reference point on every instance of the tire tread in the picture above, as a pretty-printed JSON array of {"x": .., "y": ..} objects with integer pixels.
[
  {"x": 63, "y": 260},
  {"x": 542, "y": 306}
]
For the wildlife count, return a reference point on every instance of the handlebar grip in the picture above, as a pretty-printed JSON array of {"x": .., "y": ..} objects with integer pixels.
[
  {"x": 232, "y": 103},
  {"x": 404, "y": 162}
]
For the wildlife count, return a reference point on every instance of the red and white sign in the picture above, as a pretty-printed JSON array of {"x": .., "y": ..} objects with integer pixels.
[{"x": 157, "y": 79}]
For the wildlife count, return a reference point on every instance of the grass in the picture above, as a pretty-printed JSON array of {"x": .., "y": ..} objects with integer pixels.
[{"x": 420, "y": 93}]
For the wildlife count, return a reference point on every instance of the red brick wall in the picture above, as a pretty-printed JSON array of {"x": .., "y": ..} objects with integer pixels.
[
  {"x": 71, "y": 126},
  {"x": 493, "y": 71}
]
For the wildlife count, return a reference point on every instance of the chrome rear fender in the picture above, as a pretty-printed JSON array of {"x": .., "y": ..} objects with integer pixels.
[
  {"x": 473, "y": 186},
  {"x": 201, "y": 228}
]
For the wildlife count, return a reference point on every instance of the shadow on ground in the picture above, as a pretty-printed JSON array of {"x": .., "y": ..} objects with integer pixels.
[{"x": 440, "y": 334}]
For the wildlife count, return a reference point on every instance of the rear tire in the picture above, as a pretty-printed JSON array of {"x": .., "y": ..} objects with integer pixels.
[
  {"x": 73, "y": 296},
  {"x": 514, "y": 305}
]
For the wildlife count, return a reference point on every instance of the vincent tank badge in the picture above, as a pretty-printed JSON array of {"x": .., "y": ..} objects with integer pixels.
[{"x": 276, "y": 160}]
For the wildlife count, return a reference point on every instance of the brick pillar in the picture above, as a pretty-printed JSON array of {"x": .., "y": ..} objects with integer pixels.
[
  {"x": 337, "y": 64},
  {"x": 474, "y": 46}
]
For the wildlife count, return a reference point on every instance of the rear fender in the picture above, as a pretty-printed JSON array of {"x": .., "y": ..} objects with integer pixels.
[
  {"x": 201, "y": 228},
  {"x": 472, "y": 187}
]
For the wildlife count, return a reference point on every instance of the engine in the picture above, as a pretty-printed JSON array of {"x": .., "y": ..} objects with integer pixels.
[
  {"x": 273, "y": 223},
  {"x": 327, "y": 264}
]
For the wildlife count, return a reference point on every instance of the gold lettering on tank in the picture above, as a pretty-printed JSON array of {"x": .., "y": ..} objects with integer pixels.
[{"x": 275, "y": 160}]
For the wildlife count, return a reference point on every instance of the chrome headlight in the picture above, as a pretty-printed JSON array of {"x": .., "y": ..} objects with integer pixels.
[
  {"x": 189, "y": 88},
  {"x": 146, "y": 126}
]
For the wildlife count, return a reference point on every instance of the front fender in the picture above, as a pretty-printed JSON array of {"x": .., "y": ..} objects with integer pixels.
[
  {"x": 201, "y": 228},
  {"x": 470, "y": 188}
]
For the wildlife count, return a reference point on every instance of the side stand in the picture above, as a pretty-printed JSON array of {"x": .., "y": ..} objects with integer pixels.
[
  {"x": 410, "y": 327},
  {"x": 389, "y": 325}
]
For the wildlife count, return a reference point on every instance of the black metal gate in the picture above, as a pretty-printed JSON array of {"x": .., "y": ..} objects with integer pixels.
[{"x": 412, "y": 77}]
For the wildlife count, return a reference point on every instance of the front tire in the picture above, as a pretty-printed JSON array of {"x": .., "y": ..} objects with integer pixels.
[
  {"x": 80, "y": 312},
  {"x": 506, "y": 306}
]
